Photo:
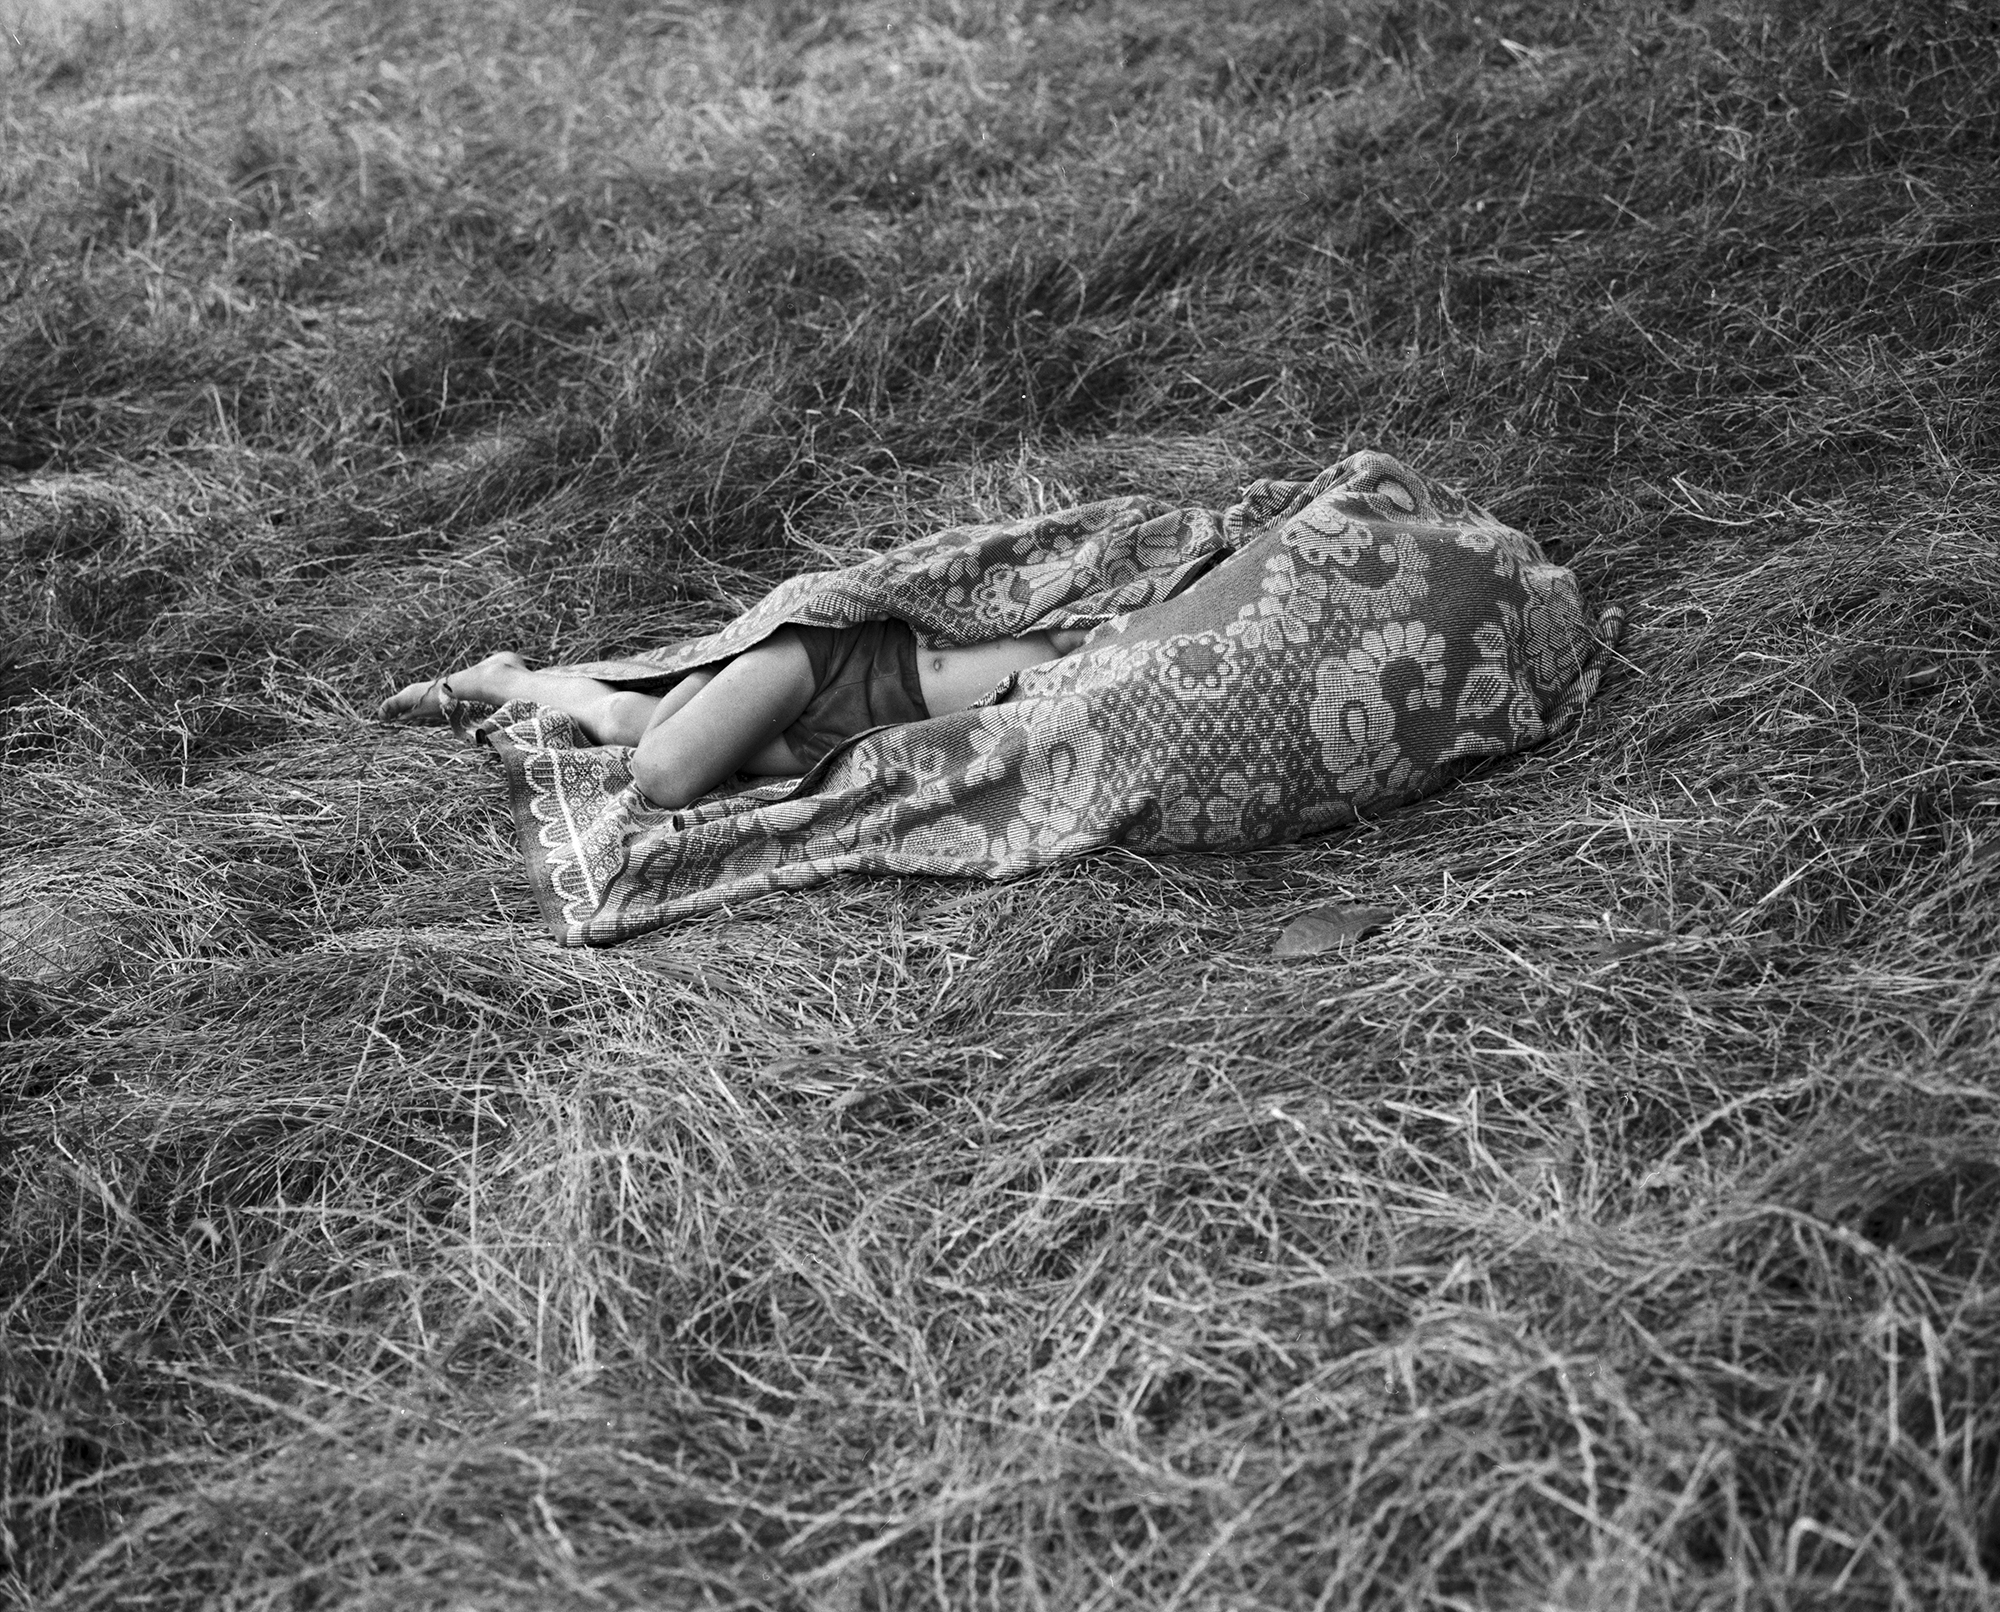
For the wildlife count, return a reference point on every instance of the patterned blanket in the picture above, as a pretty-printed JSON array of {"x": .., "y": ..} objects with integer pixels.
[{"x": 1318, "y": 651}]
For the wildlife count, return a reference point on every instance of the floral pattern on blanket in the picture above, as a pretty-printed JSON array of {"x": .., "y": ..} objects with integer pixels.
[{"x": 1320, "y": 650}]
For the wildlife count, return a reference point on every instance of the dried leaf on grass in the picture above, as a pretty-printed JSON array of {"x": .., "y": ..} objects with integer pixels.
[
  {"x": 1629, "y": 934},
  {"x": 1324, "y": 928}
]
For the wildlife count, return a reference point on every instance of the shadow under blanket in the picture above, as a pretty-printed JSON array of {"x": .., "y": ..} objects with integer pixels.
[{"x": 1317, "y": 651}]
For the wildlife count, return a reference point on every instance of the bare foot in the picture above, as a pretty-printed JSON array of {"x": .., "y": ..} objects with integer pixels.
[{"x": 481, "y": 681}]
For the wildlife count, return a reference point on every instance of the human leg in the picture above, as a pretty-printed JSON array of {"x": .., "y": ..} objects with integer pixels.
[
  {"x": 705, "y": 728},
  {"x": 733, "y": 721},
  {"x": 608, "y": 715}
]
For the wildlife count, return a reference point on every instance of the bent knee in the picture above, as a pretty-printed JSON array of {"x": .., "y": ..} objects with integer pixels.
[
  {"x": 625, "y": 715},
  {"x": 662, "y": 783}
]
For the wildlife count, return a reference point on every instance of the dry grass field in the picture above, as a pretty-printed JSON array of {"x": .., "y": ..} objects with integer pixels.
[{"x": 1617, "y": 1229}]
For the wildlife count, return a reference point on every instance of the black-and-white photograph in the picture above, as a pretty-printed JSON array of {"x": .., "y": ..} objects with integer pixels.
[{"x": 1069, "y": 805}]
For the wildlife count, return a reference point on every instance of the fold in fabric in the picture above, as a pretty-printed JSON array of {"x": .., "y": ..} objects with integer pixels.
[{"x": 1318, "y": 651}]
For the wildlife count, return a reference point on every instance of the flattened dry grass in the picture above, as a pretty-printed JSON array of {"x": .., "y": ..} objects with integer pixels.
[{"x": 1616, "y": 1229}]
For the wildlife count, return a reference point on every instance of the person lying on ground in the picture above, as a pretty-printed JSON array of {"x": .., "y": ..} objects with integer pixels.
[
  {"x": 1318, "y": 653},
  {"x": 772, "y": 711}
]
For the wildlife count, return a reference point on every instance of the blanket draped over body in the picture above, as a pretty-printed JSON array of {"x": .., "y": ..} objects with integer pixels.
[{"x": 1318, "y": 651}]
